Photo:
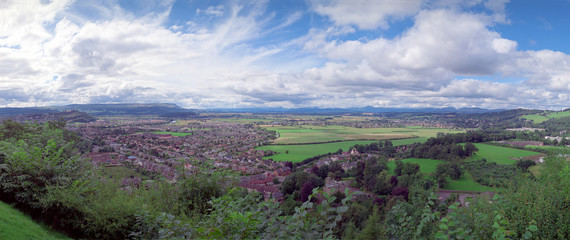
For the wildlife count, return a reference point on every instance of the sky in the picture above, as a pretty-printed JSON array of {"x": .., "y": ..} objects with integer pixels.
[{"x": 494, "y": 54}]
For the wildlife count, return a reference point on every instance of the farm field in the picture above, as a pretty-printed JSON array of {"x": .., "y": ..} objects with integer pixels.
[
  {"x": 16, "y": 225},
  {"x": 559, "y": 114},
  {"x": 466, "y": 183},
  {"x": 426, "y": 165},
  {"x": 297, "y": 153},
  {"x": 500, "y": 155},
  {"x": 536, "y": 118},
  {"x": 300, "y": 152},
  {"x": 539, "y": 118},
  {"x": 316, "y": 134}
]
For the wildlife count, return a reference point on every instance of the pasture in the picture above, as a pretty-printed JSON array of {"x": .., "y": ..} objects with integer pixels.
[
  {"x": 320, "y": 134},
  {"x": 536, "y": 118},
  {"x": 545, "y": 116},
  {"x": 466, "y": 183},
  {"x": 559, "y": 114},
  {"x": 300, "y": 152},
  {"x": 16, "y": 225},
  {"x": 500, "y": 155},
  {"x": 426, "y": 165}
]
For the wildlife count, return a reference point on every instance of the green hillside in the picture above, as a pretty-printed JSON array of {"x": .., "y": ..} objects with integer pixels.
[{"x": 16, "y": 225}]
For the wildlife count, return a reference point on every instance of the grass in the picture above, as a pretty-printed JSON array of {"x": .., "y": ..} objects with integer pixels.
[
  {"x": 538, "y": 118},
  {"x": 466, "y": 183},
  {"x": 426, "y": 165},
  {"x": 320, "y": 134},
  {"x": 300, "y": 152},
  {"x": 16, "y": 225},
  {"x": 500, "y": 155},
  {"x": 535, "y": 118},
  {"x": 559, "y": 114},
  {"x": 297, "y": 153}
]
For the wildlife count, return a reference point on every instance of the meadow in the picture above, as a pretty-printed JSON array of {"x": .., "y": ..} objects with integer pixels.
[
  {"x": 320, "y": 134},
  {"x": 300, "y": 152},
  {"x": 545, "y": 116},
  {"x": 466, "y": 183},
  {"x": 427, "y": 166},
  {"x": 16, "y": 225},
  {"x": 535, "y": 118},
  {"x": 500, "y": 155}
]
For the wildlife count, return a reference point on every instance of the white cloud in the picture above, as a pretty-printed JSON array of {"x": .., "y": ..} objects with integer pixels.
[
  {"x": 217, "y": 11},
  {"x": 53, "y": 54},
  {"x": 366, "y": 14}
]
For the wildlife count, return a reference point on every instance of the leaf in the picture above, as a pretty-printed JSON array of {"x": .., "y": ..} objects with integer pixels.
[
  {"x": 533, "y": 228},
  {"x": 440, "y": 235}
]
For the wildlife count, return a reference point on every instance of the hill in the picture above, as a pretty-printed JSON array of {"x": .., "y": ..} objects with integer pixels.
[
  {"x": 124, "y": 109},
  {"x": 16, "y": 225}
]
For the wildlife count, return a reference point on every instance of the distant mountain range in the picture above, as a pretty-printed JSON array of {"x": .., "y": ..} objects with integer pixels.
[
  {"x": 103, "y": 109},
  {"x": 354, "y": 110},
  {"x": 173, "y": 110}
]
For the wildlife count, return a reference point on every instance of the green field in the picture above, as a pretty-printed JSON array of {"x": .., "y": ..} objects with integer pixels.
[
  {"x": 466, "y": 183},
  {"x": 16, "y": 225},
  {"x": 535, "y": 118},
  {"x": 501, "y": 155},
  {"x": 559, "y": 114},
  {"x": 539, "y": 118},
  {"x": 320, "y": 134},
  {"x": 426, "y": 165},
  {"x": 300, "y": 152}
]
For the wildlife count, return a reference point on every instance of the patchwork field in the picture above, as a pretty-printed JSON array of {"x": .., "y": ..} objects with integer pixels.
[
  {"x": 16, "y": 225},
  {"x": 319, "y": 134},
  {"x": 501, "y": 155},
  {"x": 426, "y": 165}
]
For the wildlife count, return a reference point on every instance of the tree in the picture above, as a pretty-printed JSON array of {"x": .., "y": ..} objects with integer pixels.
[
  {"x": 399, "y": 167},
  {"x": 373, "y": 228},
  {"x": 524, "y": 164},
  {"x": 306, "y": 191},
  {"x": 440, "y": 175},
  {"x": 410, "y": 169},
  {"x": 383, "y": 185},
  {"x": 454, "y": 170},
  {"x": 470, "y": 148}
]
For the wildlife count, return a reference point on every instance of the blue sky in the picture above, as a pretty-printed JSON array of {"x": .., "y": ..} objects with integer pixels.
[{"x": 295, "y": 53}]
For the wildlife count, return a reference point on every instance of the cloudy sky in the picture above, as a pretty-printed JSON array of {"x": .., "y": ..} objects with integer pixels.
[{"x": 286, "y": 53}]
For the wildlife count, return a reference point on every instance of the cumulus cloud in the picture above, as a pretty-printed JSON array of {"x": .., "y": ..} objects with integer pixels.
[
  {"x": 366, "y": 14},
  {"x": 54, "y": 53}
]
